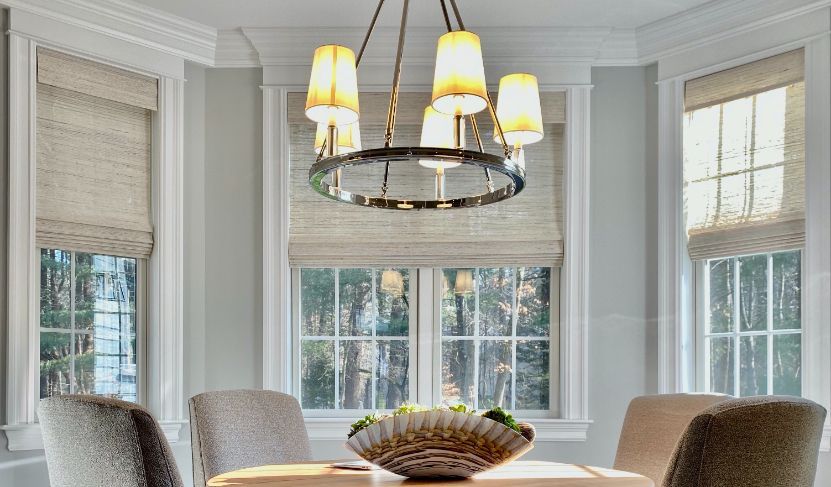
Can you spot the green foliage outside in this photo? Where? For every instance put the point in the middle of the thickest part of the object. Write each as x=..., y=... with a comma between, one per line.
x=495, y=414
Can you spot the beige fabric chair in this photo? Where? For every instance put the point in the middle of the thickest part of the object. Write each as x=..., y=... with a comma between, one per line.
x=95, y=441
x=245, y=428
x=770, y=441
x=652, y=427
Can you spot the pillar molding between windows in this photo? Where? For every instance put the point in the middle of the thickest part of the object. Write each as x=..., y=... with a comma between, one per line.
x=165, y=323
x=574, y=303
x=277, y=351
x=816, y=264
x=676, y=336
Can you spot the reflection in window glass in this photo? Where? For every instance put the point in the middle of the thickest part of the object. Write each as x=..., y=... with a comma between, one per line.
x=354, y=335
x=496, y=329
x=758, y=351
x=88, y=325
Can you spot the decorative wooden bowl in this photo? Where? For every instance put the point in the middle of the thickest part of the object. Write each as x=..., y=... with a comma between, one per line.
x=438, y=444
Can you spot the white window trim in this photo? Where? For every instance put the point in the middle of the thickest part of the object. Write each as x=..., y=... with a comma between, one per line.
x=277, y=352
x=164, y=346
x=676, y=331
x=412, y=339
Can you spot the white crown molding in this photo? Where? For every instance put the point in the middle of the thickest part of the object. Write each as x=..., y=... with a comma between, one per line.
x=293, y=46
x=131, y=22
x=537, y=48
x=234, y=50
x=714, y=21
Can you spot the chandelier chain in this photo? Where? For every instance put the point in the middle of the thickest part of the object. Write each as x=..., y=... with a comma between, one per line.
x=457, y=14
x=446, y=17
x=396, y=77
x=369, y=32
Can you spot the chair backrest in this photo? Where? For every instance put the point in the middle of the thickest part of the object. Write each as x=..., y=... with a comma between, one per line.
x=94, y=441
x=245, y=428
x=652, y=427
x=765, y=440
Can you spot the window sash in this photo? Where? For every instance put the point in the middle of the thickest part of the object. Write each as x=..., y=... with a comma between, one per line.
x=140, y=333
x=703, y=335
x=744, y=174
x=297, y=339
x=425, y=344
x=553, y=339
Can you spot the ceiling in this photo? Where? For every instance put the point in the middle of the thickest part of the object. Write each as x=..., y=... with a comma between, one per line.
x=225, y=14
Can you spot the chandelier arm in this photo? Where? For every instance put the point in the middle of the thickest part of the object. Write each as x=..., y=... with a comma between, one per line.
x=385, y=184
x=457, y=14
x=322, y=150
x=396, y=78
x=478, y=137
x=498, y=126
x=369, y=33
x=446, y=17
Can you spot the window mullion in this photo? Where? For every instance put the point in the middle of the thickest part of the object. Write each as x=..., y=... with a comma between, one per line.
x=737, y=354
x=72, y=294
x=373, y=300
x=337, y=338
x=706, y=326
x=514, y=308
x=427, y=345
x=476, y=286
x=769, y=315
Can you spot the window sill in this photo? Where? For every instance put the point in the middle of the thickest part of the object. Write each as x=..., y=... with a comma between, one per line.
x=547, y=429
x=27, y=436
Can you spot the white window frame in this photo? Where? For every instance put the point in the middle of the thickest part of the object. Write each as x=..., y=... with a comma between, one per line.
x=436, y=338
x=573, y=422
x=296, y=341
x=702, y=311
x=677, y=283
x=425, y=345
x=140, y=326
x=164, y=325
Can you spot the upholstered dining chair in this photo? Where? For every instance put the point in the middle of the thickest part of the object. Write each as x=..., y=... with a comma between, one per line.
x=652, y=427
x=95, y=441
x=764, y=440
x=245, y=428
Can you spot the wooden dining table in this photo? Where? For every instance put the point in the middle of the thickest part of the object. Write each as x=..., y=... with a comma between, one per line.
x=521, y=473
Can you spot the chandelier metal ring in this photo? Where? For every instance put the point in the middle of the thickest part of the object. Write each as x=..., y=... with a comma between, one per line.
x=500, y=164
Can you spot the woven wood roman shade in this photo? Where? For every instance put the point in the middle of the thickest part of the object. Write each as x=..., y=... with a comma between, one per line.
x=525, y=230
x=744, y=158
x=93, y=156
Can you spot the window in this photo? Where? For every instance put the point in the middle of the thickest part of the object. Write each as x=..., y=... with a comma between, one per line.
x=356, y=329
x=496, y=337
x=752, y=326
x=355, y=350
x=88, y=324
x=744, y=192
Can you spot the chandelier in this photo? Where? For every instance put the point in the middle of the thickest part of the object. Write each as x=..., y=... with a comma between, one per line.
x=459, y=93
